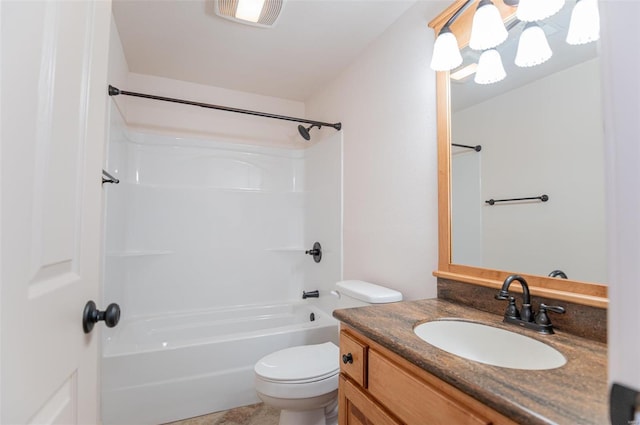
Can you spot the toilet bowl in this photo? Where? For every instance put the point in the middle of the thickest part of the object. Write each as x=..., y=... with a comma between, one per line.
x=302, y=381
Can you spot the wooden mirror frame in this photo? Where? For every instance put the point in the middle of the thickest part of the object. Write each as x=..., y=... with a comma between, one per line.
x=584, y=293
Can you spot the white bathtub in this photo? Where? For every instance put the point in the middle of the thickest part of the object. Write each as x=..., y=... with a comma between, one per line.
x=160, y=369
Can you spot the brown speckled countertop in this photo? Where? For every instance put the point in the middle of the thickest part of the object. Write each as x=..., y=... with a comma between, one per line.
x=575, y=393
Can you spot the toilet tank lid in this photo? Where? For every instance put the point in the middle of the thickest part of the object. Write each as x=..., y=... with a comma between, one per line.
x=368, y=292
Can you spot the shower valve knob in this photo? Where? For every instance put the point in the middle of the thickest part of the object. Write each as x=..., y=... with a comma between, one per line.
x=316, y=252
x=91, y=315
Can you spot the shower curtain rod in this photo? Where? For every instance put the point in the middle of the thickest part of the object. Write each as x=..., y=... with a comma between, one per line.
x=114, y=91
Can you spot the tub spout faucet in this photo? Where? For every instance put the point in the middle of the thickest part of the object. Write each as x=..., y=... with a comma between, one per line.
x=310, y=294
x=525, y=317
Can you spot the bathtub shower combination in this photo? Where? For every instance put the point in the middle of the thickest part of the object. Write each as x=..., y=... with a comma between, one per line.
x=204, y=253
x=163, y=368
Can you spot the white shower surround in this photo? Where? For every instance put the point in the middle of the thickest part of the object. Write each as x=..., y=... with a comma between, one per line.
x=200, y=226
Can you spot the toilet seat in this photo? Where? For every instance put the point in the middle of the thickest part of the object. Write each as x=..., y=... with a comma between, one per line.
x=299, y=365
x=284, y=390
x=302, y=382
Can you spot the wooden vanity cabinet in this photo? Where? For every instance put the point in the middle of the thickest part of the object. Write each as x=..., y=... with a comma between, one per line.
x=378, y=387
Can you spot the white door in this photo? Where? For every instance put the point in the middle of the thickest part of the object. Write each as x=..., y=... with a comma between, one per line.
x=53, y=97
x=620, y=40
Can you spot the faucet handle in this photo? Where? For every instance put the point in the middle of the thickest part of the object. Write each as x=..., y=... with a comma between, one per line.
x=512, y=310
x=555, y=308
x=542, y=318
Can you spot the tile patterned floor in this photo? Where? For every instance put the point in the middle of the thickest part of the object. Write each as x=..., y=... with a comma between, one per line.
x=255, y=414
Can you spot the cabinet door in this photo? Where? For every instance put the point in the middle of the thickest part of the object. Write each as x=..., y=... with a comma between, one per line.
x=356, y=408
x=414, y=400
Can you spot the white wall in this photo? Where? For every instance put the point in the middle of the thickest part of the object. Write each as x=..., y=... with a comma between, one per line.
x=323, y=217
x=558, y=154
x=386, y=103
x=466, y=206
x=118, y=71
x=184, y=120
x=620, y=40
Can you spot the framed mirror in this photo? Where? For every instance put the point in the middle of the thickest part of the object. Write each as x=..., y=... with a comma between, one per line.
x=541, y=137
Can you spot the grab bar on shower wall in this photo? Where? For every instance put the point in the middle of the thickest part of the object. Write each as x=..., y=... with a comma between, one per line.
x=109, y=179
x=543, y=198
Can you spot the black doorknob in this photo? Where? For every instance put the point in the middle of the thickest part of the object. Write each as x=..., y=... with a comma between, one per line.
x=347, y=358
x=91, y=315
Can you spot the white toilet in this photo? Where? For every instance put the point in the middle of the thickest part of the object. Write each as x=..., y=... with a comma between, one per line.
x=302, y=381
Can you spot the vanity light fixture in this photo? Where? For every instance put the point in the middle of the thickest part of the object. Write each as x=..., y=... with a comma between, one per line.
x=584, y=26
x=490, y=69
x=533, y=48
x=537, y=10
x=446, y=54
x=487, y=29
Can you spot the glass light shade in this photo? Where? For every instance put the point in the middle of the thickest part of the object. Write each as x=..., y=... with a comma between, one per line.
x=490, y=69
x=249, y=10
x=487, y=29
x=446, y=54
x=585, y=23
x=533, y=48
x=537, y=10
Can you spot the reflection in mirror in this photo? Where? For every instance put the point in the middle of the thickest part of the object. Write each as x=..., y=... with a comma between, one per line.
x=541, y=133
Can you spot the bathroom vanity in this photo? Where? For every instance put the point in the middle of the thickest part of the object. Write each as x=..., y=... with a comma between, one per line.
x=406, y=393
x=391, y=376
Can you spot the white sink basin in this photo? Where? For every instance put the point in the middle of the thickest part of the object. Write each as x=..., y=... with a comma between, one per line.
x=486, y=344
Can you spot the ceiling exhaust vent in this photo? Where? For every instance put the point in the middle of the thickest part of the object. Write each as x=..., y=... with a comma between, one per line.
x=258, y=13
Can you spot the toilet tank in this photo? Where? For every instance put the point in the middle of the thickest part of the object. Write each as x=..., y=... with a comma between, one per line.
x=357, y=293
